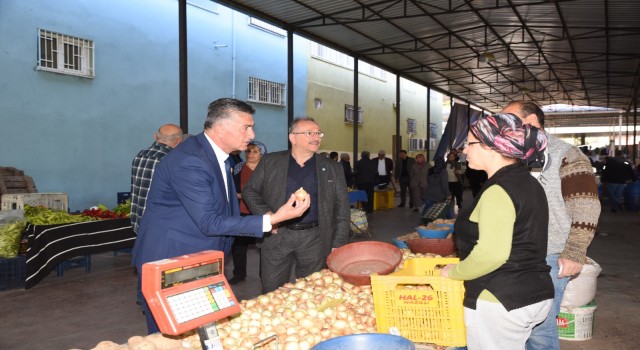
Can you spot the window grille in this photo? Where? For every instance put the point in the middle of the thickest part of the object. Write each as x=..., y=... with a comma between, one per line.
x=264, y=91
x=348, y=114
x=65, y=54
x=267, y=27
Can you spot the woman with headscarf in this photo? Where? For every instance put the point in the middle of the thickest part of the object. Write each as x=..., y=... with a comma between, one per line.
x=437, y=187
x=502, y=237
x=241, y=174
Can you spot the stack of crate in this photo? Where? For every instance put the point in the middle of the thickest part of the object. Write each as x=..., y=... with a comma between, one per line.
x=13, y=270
x=13, y=180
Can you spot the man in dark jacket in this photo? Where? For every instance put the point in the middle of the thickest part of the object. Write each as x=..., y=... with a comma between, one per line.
x=401, y=175
x=615, y=174
x=345, y=160
x=366, y=177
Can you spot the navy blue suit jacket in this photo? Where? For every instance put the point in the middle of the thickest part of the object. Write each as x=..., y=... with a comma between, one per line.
x=187, y=208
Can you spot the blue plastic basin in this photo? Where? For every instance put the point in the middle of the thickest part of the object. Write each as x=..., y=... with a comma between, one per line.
x=370, y=341
x=400, y=244
x=424, y=233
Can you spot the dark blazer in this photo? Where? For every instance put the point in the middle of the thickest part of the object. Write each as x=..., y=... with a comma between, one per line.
x=266, y=192
x=366, y=171
x=348, y=173
x=397, y=172
x=187, y=208
x=388, y=163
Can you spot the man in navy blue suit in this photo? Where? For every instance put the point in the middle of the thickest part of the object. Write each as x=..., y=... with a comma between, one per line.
x=192, y=204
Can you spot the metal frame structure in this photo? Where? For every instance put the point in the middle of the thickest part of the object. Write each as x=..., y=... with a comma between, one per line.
x=485, y=52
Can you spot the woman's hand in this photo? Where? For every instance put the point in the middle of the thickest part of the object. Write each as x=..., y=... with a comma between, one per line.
x=445, y=270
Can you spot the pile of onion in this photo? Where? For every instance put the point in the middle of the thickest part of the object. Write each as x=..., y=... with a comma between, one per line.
x=316, y=308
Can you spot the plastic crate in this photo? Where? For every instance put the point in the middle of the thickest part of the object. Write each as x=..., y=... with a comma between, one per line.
x=383, y=199
x=17, y=201
x=13, y=272
x=419, y=304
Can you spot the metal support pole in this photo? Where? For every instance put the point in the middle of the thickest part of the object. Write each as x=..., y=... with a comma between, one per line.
x=182, y=48
x=290, y=80
x=356, y=113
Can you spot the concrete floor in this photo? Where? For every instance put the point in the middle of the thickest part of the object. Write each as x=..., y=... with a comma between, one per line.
x=80, y=309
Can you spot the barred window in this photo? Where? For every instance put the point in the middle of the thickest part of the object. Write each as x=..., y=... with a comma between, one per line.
x=65, y=54
x=264, y=91
x=348, y=114
x=331, y=55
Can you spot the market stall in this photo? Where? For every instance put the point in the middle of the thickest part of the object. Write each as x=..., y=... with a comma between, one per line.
x=49, y=245
x=324, y=306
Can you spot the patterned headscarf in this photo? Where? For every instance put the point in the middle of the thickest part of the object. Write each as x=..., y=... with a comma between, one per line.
x=507, y=135
x=261, y=147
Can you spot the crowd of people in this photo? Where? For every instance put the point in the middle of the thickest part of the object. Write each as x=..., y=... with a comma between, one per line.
x=533, y=214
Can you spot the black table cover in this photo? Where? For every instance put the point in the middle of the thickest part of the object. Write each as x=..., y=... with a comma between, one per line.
x=49, y=245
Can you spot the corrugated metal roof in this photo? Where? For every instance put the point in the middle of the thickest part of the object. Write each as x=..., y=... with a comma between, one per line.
x=486, y=52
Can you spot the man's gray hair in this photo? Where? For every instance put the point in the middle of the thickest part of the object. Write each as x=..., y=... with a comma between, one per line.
x=295, y=122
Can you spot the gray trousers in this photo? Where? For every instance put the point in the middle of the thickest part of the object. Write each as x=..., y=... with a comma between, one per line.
x=286, y=249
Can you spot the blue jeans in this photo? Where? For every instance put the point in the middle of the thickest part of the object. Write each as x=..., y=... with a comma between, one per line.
x=615, y=195
x=545, y=335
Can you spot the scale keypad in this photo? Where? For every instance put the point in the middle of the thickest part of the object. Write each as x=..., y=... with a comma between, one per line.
x=200, y=302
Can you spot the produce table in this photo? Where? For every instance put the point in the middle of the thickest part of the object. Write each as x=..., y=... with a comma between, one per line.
x=49, y=245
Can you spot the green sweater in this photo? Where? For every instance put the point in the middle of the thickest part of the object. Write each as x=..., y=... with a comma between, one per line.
x=495, y=215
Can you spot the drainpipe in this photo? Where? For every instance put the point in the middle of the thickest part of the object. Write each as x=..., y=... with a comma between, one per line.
x=233, y=54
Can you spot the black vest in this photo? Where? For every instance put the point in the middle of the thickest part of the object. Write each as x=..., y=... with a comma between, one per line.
x=524, y=279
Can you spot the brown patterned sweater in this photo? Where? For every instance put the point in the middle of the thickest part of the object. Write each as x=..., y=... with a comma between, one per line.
x=572, y=194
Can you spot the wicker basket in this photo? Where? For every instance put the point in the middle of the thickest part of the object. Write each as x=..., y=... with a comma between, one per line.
x=443, y=246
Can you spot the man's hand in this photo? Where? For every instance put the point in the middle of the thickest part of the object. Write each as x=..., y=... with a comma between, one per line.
x=288, y=211
x=568, y=268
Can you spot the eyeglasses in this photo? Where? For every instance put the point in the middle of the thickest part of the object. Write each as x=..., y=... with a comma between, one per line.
x=319, y=134
x=467, y=144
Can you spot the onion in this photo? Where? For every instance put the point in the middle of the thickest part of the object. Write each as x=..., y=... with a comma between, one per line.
x=291, y=345
x=301, y=283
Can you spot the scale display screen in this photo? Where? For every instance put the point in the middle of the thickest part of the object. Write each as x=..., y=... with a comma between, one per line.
x=187, y=274
x=189, y=291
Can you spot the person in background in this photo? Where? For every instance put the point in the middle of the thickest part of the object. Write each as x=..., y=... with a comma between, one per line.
x=574, y=209
x=366, y=178
x=402, y=174
x=462, y=159
x=241, y=174
x=192, y=205
x=453, y=174
x=385, y=168
x=345, y=160
x=418, y=183
x=616, y=173
x=324, y=154
x=166, y=139
x=234, y=158
x=502, y=237
x=306, y=242
x=437, y=188
x=334, y=156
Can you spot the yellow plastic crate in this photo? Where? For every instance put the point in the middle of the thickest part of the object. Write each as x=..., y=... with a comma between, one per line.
x=421, y=305
x=383, y=199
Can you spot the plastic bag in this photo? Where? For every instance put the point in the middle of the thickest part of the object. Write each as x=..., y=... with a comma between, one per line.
x=581, y=288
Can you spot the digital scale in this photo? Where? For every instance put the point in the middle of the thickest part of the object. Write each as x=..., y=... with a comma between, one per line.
x=189, y=292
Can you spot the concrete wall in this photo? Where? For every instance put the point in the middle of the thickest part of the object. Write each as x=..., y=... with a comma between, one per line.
x=333, y=84
x=79, y=135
